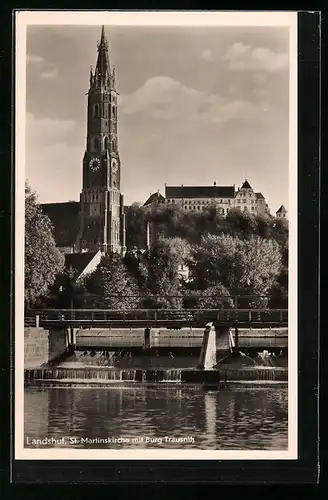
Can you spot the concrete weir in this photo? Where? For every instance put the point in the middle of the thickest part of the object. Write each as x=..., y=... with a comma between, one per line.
x=102, y=375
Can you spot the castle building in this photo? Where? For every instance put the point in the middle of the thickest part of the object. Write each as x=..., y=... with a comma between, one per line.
x=281, y=213
x=223, y=198
x=97, y=222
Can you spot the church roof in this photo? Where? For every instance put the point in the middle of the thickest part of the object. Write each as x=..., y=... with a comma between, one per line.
x=199, y=192
x=281, y=210
x=246, y=185
x=65, y=221
x=155, y=197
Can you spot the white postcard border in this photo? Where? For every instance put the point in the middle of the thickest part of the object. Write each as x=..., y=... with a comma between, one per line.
x=25, y=18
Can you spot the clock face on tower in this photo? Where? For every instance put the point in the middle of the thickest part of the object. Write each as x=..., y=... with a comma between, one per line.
x=94, y=164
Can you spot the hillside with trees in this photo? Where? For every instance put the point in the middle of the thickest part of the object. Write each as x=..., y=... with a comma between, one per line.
x=240, y=260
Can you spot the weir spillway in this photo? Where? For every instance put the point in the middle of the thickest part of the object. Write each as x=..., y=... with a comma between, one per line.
x=100, y=375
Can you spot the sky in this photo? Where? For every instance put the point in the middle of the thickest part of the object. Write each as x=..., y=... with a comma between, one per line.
x=196, y=105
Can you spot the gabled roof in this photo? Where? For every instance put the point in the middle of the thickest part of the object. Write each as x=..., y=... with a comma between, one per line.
x=246, y=185
x=199, y=192
x=78, y=261
x=281, y=210
x=65, y=220
x=259, y=196
x=154, y=198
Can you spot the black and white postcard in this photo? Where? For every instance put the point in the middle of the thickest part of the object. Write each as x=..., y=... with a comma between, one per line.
x=155, y=235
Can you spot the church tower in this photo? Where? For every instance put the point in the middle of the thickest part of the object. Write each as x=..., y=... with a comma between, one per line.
x=102, y=224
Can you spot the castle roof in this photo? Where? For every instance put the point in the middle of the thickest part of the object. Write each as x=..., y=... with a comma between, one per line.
x=246, y=185
x=65, y=220
x=199, y=191
x=259, y=196
x=155, y=197
x=281, y=210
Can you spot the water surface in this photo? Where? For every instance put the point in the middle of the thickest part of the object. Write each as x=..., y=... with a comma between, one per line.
x=146, y=415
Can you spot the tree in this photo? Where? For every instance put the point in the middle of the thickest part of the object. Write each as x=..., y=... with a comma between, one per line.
x=136, y=264
x=113, y=285
x=135, y=226
x=214, y=297
x=245, y=267
x=43, y=260
x=163, y=281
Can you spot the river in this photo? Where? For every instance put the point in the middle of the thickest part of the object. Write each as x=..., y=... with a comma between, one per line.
x=156, y=416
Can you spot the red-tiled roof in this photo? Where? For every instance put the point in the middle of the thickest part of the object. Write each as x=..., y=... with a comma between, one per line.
x=65, y=220
x=199, y=192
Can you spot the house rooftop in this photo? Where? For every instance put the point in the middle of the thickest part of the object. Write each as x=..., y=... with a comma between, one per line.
x=79, y=261
x=281, y=210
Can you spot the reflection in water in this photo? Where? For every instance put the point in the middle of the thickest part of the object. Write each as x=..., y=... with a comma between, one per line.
x=247, y=419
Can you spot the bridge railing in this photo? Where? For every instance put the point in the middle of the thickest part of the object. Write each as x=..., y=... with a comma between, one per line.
x=160, y=315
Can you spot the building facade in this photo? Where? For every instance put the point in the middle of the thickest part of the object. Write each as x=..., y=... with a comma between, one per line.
x=223, y=198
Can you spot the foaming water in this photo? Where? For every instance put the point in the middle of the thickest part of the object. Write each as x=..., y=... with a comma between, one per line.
x=248, y=419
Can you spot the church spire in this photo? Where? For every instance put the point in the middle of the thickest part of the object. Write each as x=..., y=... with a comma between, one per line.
x=103, y=75
x=103, y=42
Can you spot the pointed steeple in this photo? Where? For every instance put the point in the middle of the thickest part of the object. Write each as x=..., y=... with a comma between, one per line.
x=103, y=75
x=103, y=41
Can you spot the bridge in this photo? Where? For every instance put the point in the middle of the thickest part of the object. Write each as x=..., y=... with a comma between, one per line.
x=167, y=318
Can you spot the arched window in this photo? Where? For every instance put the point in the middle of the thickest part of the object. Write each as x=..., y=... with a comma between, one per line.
x=113, y=111
x=96, y=111
x=106, y=143
x=96, y=143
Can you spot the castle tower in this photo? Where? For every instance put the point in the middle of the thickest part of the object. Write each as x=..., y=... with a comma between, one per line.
x=281, y=213
x=102, y=209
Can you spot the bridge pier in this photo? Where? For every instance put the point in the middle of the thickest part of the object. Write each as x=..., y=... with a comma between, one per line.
x=71, y=337
x=217, y=344
x=146, y=338
x=224, y=343
x=236, y=339
x=207, y=358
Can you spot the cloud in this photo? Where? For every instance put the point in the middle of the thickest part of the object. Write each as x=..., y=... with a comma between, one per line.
x=207, y=55
x=50, y=73
x=34, y=59
x=42, y=130
x=260, y=78
x=245, y=57
x=51, y=156
x=166, y=99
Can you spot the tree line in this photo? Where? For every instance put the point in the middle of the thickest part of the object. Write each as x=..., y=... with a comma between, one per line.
x=240, y=255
